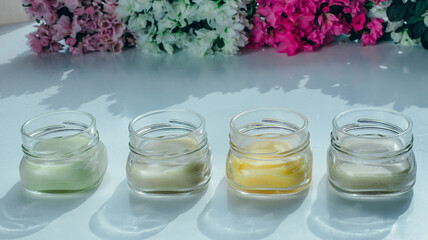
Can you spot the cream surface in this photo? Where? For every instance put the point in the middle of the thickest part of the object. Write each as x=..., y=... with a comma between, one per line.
x=82, y=171
x=164, y=172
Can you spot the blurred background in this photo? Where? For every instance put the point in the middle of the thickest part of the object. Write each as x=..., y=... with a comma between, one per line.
x=11, y=11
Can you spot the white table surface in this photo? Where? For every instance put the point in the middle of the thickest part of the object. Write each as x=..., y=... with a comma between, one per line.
x=117, y=88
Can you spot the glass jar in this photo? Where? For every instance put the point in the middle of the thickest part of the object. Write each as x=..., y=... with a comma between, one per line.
x=371, y=153
x=169, y=152
x=269, y=152
x=62, y=153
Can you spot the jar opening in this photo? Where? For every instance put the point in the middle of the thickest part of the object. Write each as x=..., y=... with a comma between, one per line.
x=372, y=133
x=167, y=134
x=269, y=134
x=166, y=124
x=269, y=123
x=58, y=124
x=372, y=123
x=59, y=135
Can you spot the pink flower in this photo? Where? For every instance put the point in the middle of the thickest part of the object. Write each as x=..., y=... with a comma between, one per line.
x=117, y=47
x=306, y=22
x=62, y=28
x=358, y=22
x=34, y=42
x=90, y=10
x=375, y=28
x=288, y=43
x=258, y=32
x=70, y=41
x=306, y=25
x=72, y=4
x=118, y=29
x=75, y=27
x=93, y=26
x=41, y=41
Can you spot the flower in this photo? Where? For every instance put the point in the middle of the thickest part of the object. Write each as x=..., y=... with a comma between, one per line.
x=41, y=40
x=404, y=39
x=358, y=22
x=85, y=25
x=202, y=27
x=425, y=15
x=375, y=32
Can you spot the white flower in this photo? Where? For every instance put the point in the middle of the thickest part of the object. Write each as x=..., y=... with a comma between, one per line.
x=379, y=10
x=405, y=1
x=392, y=26
x=125, y=8
x=144, y=4
x=425, y=15
x=396, y=36
x=404, y=39
x=200, y=26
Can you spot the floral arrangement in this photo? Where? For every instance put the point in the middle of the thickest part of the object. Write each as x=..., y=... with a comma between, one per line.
x=206, y=27
x=203, y=27
x=83, y=25
x=407, y=21
x=306, y=25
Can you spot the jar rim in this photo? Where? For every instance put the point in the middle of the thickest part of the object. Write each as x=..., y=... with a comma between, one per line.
x=139, y=117
x=405, y=131
x=301, y=128
x=87, y=128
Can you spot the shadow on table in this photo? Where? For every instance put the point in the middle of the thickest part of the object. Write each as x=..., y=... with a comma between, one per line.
x=374, y=75
x=23, y=213
x=6, y=28
x=231, y=216
x=369, y=75
x=336, y=218
x=128, y=215
x=130, y=78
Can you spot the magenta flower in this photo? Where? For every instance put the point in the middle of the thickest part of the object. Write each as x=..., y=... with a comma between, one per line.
x=306, y=25
x=288, y=43
x=358, y=22
x=375, y=32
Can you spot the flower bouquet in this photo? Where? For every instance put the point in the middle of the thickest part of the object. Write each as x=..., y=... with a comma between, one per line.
x=83, y=25
x=202, y=27
x=306, y=25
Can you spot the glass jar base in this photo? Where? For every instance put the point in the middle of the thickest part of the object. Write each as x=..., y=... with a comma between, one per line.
x=268, y=193
x=155, y=192
x=367, y=194
x=62, y=192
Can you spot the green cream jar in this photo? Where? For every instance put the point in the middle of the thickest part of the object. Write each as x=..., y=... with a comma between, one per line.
x=62, y=153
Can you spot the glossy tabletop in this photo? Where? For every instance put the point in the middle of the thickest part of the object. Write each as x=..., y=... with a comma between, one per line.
x=115, y=88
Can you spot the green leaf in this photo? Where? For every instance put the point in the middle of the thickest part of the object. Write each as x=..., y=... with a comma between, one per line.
x=396, y=11
x=424, y=39
x=219, y=42
x=411, y=8
x=413, y=19
x=421, y=7
x=416, y=30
